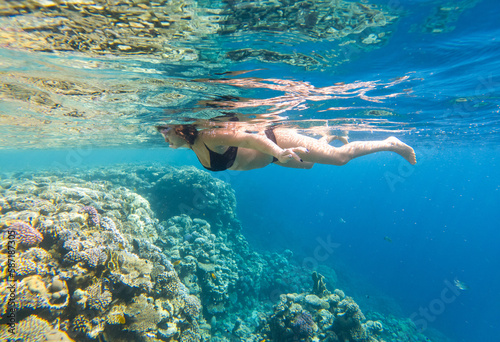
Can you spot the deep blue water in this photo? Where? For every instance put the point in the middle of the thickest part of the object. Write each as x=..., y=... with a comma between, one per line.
x=442, y=220
x=400, y=234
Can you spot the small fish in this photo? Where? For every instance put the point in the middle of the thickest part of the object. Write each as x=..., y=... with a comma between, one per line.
x=213, y=275
x=32, y=220
x=121, y=319
x=460, y=285
x=176, y=262
x=341, y=220
x=121, y=246
x=388, y=239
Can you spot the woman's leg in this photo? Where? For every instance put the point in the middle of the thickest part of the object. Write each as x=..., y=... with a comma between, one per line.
x=320, y=152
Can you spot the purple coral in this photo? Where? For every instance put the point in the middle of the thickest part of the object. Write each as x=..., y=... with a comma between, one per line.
x=109, y=225
x=24, y=233
x=303, y=326
x=93, y=218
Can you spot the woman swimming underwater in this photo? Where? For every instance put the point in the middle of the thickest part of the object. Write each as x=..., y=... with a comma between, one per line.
x=236, y=148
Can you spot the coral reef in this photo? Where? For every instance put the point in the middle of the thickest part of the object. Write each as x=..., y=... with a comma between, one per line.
x=177, y=191
x=331, y=317
x=108, y=269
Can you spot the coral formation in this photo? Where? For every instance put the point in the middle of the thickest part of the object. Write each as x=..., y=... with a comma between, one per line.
x=190, y=277
x=93, y=216
x=33, y=293
x=331, y=317
x=23, y=233
x=33, y=329
x=319, y=286
x=303, y=325
x=94, y=297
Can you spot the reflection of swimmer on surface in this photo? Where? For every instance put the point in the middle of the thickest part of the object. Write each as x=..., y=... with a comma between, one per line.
x=237, y=147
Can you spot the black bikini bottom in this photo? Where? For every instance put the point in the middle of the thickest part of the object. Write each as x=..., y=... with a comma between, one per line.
x=270, y=135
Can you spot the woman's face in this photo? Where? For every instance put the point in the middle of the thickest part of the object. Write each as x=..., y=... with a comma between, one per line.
x=173, y=140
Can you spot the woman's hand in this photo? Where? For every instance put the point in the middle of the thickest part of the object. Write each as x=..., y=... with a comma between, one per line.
x=291, y=153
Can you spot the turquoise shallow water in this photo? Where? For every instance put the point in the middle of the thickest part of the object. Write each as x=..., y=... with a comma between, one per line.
x=426, y=72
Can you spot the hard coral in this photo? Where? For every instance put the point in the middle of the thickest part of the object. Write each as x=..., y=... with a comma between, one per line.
x=191, y=334
x=109, y=225
x=81, y=324
x=24, y=233
x=33, y=328
x=142, y=314
x=94, y=297
x=99, y=298
x=192, y=306
x=168, y=283
x=93, y=215
x=33, y=294
x=92, y=257
x=303, y=325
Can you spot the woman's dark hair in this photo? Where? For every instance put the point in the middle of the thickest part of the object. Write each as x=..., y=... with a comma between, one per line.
x=187, y=132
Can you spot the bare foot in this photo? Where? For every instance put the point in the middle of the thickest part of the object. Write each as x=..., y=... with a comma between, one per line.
x=402, y=149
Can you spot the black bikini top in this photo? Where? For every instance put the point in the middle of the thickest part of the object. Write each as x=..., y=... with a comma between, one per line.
x=221, y=162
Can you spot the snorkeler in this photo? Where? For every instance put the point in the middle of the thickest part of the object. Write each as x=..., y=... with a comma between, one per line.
x=235, y=148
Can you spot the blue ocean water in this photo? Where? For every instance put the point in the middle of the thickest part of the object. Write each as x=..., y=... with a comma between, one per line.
x=398, y=236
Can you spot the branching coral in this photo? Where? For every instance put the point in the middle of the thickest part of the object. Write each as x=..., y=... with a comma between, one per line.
x=94, y=297
x=93, y=216
x=23, y=233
